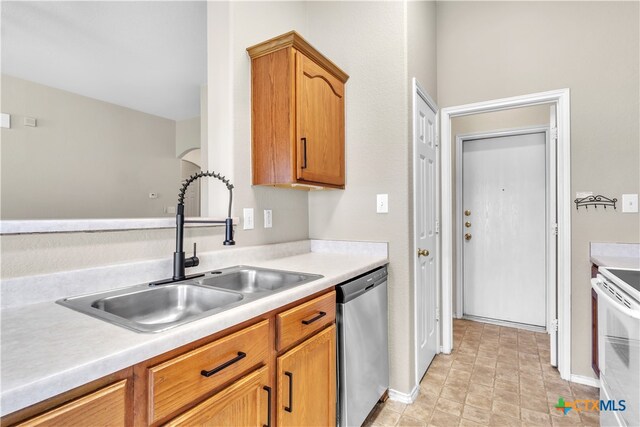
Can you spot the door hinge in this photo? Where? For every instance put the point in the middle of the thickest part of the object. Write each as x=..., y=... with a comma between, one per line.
x=554, y=325
x=555, y=229
x=437, y=227
x=554, y=133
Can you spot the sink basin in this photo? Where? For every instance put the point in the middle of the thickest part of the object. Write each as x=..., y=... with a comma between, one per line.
x=251, y=280
x=156, y=308
x=167, y=304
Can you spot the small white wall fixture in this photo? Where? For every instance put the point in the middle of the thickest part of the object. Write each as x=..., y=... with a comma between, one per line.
x=561, y=100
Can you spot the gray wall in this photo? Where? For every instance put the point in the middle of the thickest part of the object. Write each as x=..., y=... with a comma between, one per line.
x=85, y=159
x=369, y=41
x=489, y=50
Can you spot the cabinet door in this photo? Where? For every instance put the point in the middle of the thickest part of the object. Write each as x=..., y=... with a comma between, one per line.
x=320, y=124
x=105, y=407
x=244, y=403
x=307, y=382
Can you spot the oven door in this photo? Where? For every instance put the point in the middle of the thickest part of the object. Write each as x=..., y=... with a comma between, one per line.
x=619, y=352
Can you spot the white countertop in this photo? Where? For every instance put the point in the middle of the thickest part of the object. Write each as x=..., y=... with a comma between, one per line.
x=48, y=349
x=620, y=255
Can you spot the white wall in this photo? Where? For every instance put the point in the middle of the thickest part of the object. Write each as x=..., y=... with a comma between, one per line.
x=85, y=159
x=489, y=50
x=187, y=136
x=368, y=40
x=234, y=27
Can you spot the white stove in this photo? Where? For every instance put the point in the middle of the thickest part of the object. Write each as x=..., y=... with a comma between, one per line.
x=619, y=343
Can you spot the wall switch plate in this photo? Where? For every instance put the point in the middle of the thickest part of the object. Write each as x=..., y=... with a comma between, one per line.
x=382, y=203
x=583, y=194
x=247, y=223
x=630, y=203
x=268, y=218
x=30, y=121
x=6, y=121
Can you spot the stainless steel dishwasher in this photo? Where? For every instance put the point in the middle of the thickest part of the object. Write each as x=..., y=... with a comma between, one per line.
x=363, y=357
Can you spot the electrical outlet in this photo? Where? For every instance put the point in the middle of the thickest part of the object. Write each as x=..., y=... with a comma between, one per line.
x=382, y=203
x=630, y=203
x=170, y=210
x=268, y=218
x=247, y=223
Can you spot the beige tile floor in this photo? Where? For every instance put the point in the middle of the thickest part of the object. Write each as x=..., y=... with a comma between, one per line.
x=496, y=376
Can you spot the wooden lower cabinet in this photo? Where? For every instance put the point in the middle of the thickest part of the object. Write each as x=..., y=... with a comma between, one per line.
x=278, y=369
x=306, y=379
x=104, y=407
x=245, y=403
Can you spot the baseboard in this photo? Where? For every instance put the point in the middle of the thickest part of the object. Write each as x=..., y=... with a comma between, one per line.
x=404, y=397
x=581, y=379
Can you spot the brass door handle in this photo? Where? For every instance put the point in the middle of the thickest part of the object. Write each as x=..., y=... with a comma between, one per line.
x=467, y=236
x=423, y=252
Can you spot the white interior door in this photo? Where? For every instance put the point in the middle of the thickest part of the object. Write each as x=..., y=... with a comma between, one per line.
x=425, y=217
x=504, y=238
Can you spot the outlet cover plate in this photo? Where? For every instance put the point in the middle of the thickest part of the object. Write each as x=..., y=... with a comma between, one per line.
x=630, y=203
x=247, y=223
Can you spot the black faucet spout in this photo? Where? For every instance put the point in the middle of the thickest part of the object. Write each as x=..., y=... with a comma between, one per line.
x=180, y=263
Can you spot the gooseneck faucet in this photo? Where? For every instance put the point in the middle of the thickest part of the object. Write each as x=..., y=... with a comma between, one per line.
x=180, y=262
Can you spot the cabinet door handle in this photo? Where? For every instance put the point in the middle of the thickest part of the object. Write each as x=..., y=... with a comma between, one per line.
x=268, y=390
x=318, y=317
x=239, y=357
x=304, y=153
x=290, y=407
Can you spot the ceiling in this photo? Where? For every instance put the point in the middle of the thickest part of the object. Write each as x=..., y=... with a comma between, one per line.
x=150, y=56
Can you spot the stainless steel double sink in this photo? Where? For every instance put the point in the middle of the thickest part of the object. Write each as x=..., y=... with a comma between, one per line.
x=156, y=308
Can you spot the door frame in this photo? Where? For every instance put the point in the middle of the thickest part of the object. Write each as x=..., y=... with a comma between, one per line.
x=561, y=99
x=417, y=91
x=550, y=202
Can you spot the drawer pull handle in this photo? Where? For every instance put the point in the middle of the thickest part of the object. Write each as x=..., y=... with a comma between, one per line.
x=268, y=390
x=239, y=357
x=290, y=407
x=318, y=317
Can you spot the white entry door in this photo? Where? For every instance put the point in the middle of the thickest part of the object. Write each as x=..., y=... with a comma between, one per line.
x=504, y=230
x=425, y=217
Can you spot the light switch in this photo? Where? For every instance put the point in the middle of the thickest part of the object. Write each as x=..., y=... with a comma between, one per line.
x=247, y=224
x=630, y=203
x=382, y=203
x=268, y=218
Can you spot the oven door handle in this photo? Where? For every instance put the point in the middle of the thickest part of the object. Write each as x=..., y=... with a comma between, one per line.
x=595, y=284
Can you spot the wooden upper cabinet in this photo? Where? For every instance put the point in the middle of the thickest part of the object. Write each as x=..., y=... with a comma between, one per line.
x=297, y=115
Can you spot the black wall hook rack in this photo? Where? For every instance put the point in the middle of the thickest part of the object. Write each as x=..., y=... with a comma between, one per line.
x=595, y=201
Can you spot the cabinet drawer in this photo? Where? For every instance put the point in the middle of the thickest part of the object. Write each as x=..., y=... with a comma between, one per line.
x=105, y=407
x=299, y=322
x=244, y=403
x=182, y=380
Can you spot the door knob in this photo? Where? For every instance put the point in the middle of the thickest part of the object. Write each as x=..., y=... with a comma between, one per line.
x=467, y=212
x=467, y=236
x=423, y=252
x=467, y=224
